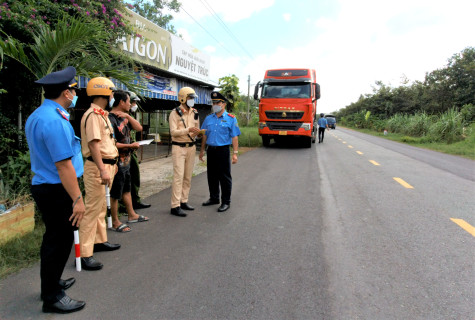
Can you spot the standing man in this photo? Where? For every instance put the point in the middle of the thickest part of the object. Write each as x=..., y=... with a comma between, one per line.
x=98, y=147
x=134, y=165
x=56, y=161
x=322, y=125
x=123, y=122
x=221, y=131
x=184, y=127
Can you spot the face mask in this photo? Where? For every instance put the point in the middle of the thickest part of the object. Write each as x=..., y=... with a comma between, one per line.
x=73, y=102
x=190, y=103
x=216, y=108
x=133, y=108
x=111, y=102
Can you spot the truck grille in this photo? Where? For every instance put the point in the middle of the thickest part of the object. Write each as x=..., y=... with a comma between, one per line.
x=284, y=115
x=284, y=126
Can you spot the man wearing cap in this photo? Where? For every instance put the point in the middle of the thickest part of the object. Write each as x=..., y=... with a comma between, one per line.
x=56, y=162
x=184, y=127
x=322, y=125
x=98, y=147
x=221, y=131
x=134, y=165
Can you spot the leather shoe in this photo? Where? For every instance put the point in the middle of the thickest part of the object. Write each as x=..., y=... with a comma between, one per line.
x=210, y=202
x=66, y=284
x=178, y=212
x=65, y=305
x=89, y=263
x=223, y=207
x=105, y=246
x=141, y=205
x=186, y=206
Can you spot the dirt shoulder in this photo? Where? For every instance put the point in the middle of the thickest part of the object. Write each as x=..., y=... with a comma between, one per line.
x=156, y=175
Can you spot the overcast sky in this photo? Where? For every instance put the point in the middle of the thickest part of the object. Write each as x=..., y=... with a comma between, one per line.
x=351, y=44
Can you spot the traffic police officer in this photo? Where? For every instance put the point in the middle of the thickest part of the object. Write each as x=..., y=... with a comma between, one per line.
x=98, y=147
x=56, y=162
x=221, y=131
x=184, y=127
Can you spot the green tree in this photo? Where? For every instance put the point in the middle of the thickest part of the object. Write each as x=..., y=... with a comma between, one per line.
x=229, y=89
x=154, y=11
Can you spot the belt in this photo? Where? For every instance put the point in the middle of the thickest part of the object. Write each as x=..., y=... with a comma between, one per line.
x=216, y=147
x=183, y=144
x=106, y=161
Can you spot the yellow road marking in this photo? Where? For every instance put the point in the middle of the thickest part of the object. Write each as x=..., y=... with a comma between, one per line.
x=339, y=139
x=359, y=152
x=344, y=141
x=403, y=183
x=351, y=147
x=464, y=225
x=374, y=162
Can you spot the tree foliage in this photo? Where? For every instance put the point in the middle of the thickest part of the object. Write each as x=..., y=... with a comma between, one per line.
x=154, y=11
x=230, y=89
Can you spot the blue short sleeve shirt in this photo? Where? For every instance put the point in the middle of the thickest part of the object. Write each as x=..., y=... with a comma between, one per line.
x=220, y=131
x=51, y=139
x=322, y=122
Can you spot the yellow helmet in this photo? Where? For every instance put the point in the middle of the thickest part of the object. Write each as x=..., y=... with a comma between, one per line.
x=100, y=86
x=184, y=93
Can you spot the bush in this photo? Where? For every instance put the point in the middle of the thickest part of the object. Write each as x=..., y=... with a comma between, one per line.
x=15, y=177
x=468, y=114
x=448, y=128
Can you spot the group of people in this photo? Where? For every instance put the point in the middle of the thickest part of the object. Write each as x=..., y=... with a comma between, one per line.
x=104, y=156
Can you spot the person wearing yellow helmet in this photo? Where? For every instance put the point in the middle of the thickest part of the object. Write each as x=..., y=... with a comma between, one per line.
x=184, y=127
x=100, y=151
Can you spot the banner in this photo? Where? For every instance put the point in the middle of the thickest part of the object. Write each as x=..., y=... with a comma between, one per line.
x=157, y=47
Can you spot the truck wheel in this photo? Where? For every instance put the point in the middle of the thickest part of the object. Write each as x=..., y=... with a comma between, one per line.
x=314, y=136
x=265, y=141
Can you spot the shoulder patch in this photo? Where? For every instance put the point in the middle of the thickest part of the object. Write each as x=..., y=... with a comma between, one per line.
x=231, y=115
x=63, y=114
x=99, y=111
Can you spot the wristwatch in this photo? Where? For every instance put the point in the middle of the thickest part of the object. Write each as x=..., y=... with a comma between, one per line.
x=236, y=152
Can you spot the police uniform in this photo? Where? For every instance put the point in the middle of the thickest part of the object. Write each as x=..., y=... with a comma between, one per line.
x=183, y=153
x=51, y=139
x=219, y=134
x=95, y=125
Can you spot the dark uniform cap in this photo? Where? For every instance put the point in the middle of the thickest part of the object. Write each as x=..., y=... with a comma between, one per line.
x=59, y=78
x=215, y=95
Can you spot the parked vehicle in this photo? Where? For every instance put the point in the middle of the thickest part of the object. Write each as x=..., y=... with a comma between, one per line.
x=331, y=120
x=288, y=105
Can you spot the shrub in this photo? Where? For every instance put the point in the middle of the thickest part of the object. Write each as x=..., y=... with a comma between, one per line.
x=448, y=128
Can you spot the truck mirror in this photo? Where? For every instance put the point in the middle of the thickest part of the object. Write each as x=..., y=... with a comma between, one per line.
x=256, y=90
x=317, y=91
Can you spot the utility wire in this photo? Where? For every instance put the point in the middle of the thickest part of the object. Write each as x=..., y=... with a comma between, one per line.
x=226, y=28
x=181, y=7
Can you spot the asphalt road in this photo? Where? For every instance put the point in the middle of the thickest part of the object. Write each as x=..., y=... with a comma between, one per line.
x=320, y=233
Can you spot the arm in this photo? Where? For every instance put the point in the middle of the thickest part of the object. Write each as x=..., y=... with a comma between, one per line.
x=235, y=143
x=67, y=174
x=134, y=123
x=203, y=146
x=174, y=131
x=96, y=156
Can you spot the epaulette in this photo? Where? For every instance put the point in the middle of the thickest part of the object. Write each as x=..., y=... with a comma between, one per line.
x=63, y=114
x=231, y=115
x=99, y=111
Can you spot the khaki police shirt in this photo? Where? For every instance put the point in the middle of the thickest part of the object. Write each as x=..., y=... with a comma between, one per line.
x=177, y=128
x=98, y=127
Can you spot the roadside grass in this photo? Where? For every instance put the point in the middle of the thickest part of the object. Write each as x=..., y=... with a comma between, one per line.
x=464, y=148
x=249, y=137
x=21, y=252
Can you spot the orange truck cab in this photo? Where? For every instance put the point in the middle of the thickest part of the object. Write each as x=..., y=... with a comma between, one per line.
x=288, y=105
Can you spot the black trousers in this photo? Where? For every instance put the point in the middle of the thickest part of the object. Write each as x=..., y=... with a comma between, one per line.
x=55, y=206
x=321, y=131
x=135, y=178
x=219, y=173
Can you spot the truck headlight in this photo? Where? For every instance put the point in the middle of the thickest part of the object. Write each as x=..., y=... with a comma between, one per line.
x=262, y=125
x=306, y=126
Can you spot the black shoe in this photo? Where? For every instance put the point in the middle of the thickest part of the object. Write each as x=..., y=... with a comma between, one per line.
x=223, y=207
x=141, y=205
x=177, y=212
x=89, y=263
x=66, y=284
x=65, y=305
x=210, y=202
x=105, y=246
x=186, y=206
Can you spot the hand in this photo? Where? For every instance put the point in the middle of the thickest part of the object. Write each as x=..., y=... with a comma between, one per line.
x=78, y=213
x=105, y=177
x=193, y=131
x=234, y=160
x=135, y=145
x=202, y=153
x=121, y=114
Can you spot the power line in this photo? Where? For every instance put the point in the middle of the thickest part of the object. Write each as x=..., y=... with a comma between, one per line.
x=181, y=7
x=226, y=28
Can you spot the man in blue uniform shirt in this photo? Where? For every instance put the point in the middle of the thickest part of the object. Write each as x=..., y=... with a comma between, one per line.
x=57, y=163
x=322, y=125
x=221, y=130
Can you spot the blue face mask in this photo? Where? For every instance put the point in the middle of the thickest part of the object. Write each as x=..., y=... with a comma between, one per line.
x=73, y=102
x=111, y=102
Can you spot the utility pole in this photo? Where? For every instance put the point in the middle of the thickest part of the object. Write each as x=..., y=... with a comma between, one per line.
x=248, y=99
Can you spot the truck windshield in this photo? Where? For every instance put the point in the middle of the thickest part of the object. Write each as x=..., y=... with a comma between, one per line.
x=286, y=90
